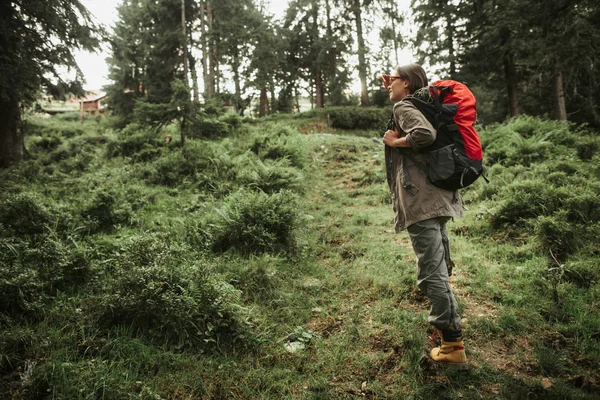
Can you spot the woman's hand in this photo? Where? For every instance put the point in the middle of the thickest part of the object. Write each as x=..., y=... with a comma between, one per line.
x=393, y=139
x=390, y=138
x=386, y=79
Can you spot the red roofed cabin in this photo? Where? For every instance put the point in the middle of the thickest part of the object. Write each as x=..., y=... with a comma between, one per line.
x=92, y=102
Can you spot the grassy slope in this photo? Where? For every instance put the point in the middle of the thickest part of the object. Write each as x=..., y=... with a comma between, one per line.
x=373, y=327
x=351, y=290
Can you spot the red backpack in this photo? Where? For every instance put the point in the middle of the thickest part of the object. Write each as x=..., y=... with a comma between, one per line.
x=454, y=160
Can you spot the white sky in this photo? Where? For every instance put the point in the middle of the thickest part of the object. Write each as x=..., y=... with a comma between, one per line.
x=95, y=69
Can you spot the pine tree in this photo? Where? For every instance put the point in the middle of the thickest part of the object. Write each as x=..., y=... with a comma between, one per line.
x=36, y=38
x=147, y=60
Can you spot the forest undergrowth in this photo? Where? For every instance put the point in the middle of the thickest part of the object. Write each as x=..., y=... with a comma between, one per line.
x=261, y=263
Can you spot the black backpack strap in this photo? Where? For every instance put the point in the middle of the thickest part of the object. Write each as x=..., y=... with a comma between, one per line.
x=391, y=125
x=438, y=99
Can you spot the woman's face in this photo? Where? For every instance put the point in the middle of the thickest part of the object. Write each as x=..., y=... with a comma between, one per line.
x=398, y=89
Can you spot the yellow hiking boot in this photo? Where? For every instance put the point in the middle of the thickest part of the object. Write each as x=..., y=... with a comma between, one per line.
x=451, y=354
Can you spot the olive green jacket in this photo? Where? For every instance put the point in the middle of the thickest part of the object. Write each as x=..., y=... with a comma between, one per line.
x=426, y=201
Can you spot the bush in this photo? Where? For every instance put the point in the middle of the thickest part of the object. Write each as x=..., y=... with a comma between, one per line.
x=136, y=144
x=556, y=235
x=587, y=148
x=25, y=214
x=278, y=141
x=255, y=222
x=45, y=143
x=34, y=271
x=37, y=254
x=271, y=176
x=583, y=206
x=214, y=127
x=51, y=127
x=105, y=211
x=233, y=120
x=527, y=199
x=158, y=290
x=210, y=128
x=359, y=118
x=71, y=116
x=208, y=165
x=214, y=108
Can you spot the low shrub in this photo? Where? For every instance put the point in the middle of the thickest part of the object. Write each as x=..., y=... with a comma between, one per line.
x=214, y=126
x=210, y=166
x=233, y=120
x=359, y=117
x=210, y=128
x=169, y=170
x=587, y=148
x=34, y=271
x=583, y=206
x=136, y=144
x=70, y=116
x=38, y=256
x=556, y=235
x=26, y=214
x=53, y=127
x=214, y=108
x=45, y=143
x=106, y=210
x=278, y=141
x=271, y=176
x=255, y=222
x=158, y=290
x=525, y=200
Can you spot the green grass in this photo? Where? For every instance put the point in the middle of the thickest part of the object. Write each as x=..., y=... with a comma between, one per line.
x=344, y=283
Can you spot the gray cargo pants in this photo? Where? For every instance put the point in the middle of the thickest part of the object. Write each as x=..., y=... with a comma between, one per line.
x=430, y=243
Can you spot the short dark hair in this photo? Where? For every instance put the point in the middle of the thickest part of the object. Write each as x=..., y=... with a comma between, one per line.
x=415, y=74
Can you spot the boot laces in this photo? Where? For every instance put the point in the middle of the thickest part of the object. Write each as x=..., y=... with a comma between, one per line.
x=432, y=337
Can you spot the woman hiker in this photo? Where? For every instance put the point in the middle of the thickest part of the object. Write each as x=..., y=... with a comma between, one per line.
x=423, y=209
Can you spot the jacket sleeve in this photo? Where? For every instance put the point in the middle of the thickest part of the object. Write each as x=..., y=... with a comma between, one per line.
x=413, y=124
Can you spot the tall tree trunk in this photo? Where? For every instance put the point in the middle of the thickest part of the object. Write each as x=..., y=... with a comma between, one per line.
x=11, y=136
x=194, y=76
x=236, y=80
x=510, y=75
x=319, y=95
x=395, y=36
x=362, y=65
x=331, y=67
x=212, y=56
x=263, y=107
x=272, y=90
x=297, y=98
x=204, y=48
x=184, y=44
x=317, y=70
x=560, y=107
x=185, y=68
x=450, y=41
x=217, y=73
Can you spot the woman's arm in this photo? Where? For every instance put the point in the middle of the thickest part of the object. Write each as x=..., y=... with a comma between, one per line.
x=418, y=131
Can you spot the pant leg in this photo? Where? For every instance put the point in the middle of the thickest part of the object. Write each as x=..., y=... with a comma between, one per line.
x=432, y=272
x=446, y=242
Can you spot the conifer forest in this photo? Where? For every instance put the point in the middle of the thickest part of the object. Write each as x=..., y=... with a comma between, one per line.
x=218, y=223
